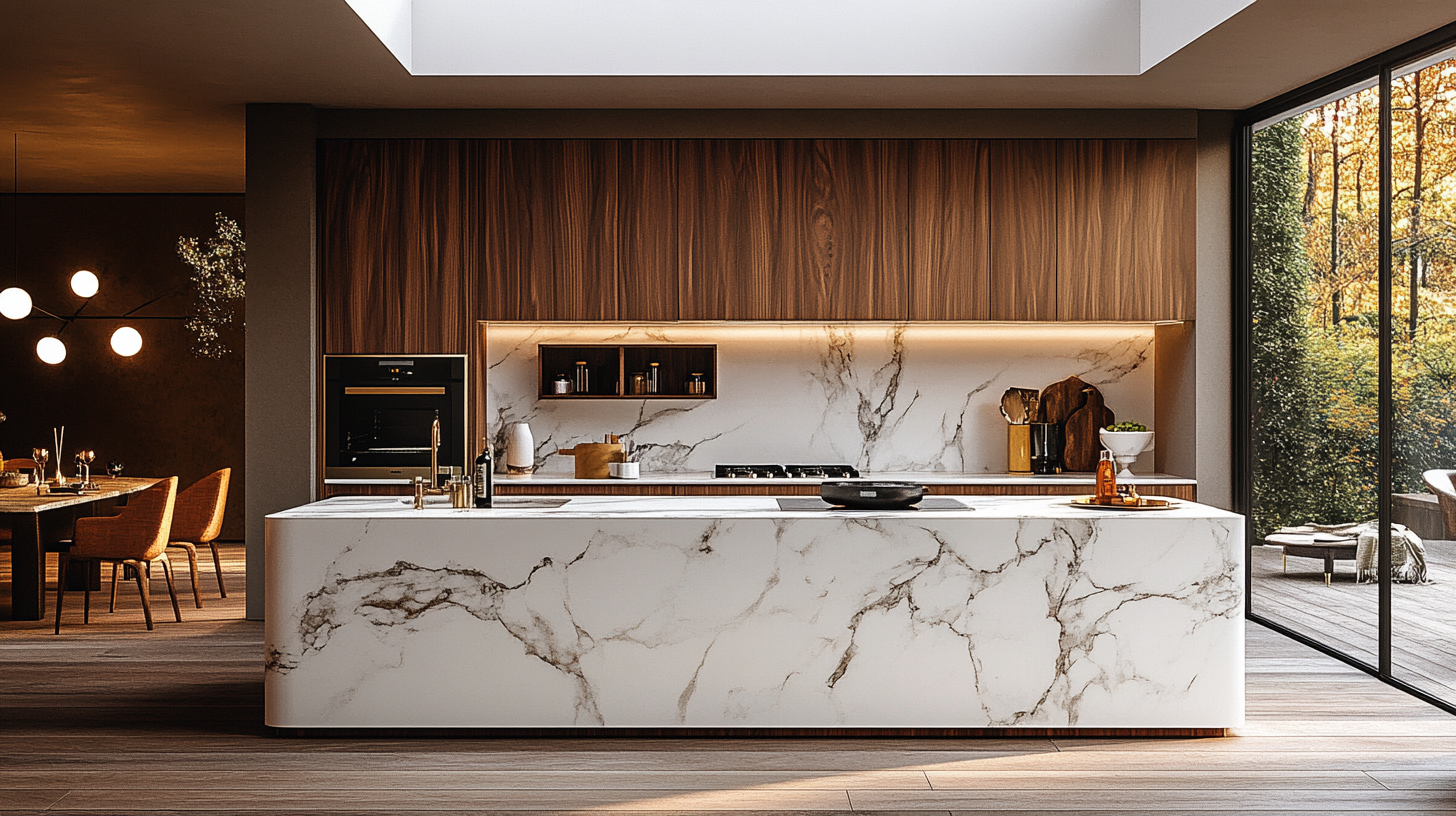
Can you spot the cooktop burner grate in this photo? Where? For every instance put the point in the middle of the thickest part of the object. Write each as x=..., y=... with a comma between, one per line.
x=785, y=472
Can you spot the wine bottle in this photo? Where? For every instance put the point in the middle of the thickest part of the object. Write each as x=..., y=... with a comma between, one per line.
x=484, y=476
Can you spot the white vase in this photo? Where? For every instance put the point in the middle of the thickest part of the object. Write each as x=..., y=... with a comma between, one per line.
x=520, y=448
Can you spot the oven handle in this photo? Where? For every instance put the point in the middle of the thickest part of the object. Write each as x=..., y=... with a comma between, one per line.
x=401, y=390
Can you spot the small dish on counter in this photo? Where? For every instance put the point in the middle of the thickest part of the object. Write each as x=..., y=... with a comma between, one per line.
x=14, y=478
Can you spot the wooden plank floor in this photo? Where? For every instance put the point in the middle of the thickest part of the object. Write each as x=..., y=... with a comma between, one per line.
x=113, y=719
x=1344, y=614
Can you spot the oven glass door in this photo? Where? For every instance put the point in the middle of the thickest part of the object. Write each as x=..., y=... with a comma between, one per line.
x=389, y=427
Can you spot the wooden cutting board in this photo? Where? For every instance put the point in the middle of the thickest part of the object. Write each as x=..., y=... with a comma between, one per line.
x=1059, y=400
x=1083, y=444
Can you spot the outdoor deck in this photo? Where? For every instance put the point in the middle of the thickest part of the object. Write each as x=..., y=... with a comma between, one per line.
x=1343, y=615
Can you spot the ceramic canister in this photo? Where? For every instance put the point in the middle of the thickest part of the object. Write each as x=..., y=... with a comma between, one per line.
x=520, y=446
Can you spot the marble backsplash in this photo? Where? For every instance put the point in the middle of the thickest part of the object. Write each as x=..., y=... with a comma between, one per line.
x=879, y=396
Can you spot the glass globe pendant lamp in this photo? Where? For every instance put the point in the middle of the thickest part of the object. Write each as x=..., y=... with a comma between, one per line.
x=84, y=283
x=51, y=350
x=126, y=341
x=15, y=303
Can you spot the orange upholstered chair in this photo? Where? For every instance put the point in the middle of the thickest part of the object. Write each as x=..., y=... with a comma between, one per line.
x=198, y=521
x=22, y=464
x=135, y=538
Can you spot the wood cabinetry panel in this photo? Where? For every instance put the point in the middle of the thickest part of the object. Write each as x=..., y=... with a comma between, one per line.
x=549, y=246
x=728, y=231
x=397, y=249
x=647, y=252
x=949, y=229
x=1126, y=229
x=844, y=242
x=793, y=229
x=1023, y=214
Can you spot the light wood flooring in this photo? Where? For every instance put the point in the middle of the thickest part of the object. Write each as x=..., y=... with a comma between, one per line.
x=113, y=719
x=1344, y=614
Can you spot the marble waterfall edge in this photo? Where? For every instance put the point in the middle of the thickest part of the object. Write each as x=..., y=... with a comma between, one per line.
x=881, y=397
x=1025, y=619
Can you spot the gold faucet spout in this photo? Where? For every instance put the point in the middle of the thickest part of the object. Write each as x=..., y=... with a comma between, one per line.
x=435, y=453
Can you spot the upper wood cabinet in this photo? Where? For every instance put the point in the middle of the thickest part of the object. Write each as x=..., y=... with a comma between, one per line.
x=549, y=229
x=421, y=238
x=792, y=229
x=843, y=231
x=648, y=264
x=1126, y=229
x=1023, y=214
x=398, y=251
x=729, y=210
x=948, y=221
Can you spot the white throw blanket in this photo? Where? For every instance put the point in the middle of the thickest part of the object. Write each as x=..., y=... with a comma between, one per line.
x=1407, y=551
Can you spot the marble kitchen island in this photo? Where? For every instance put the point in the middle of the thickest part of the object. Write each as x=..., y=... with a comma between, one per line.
x=729, y=612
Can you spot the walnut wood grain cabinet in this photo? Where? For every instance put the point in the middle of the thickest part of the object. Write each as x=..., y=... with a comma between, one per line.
x=948, y=220
x=549, y=229
x=1125, y=229
x=793, y=229
x=398, y=259
x=1023, y=228
x=647, y=261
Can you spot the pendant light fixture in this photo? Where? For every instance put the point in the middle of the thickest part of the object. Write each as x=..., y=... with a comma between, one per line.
x=15, y=302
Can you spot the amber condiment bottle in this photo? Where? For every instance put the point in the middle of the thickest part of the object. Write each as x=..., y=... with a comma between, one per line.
x=1106, y=478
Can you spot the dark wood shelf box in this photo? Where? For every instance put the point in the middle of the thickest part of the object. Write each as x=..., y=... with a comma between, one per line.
x=612, y=367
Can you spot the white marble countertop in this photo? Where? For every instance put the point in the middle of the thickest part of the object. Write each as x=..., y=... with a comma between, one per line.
x=922, y=477
x=697, y=507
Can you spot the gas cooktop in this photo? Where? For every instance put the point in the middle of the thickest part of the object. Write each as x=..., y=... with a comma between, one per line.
x=785, y=472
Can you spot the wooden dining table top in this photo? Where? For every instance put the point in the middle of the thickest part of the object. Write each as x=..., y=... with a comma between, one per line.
x=25, y=500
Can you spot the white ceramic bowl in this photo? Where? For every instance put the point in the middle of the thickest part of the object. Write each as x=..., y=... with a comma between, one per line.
x=1125, y=446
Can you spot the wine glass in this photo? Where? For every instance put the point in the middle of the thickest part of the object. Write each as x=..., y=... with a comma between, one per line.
x=84, y=458
x=115, y=467
x=41, y=456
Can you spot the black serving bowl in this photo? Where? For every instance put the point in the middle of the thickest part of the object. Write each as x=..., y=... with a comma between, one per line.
x=871, y=495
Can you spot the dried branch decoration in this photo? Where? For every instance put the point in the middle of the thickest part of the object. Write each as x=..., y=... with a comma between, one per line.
x=217, y=276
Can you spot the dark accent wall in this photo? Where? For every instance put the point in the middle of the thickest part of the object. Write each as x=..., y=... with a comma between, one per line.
x=283, y=351
x=164, y=411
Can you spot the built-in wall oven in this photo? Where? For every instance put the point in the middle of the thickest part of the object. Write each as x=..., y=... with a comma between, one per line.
x=379, y=415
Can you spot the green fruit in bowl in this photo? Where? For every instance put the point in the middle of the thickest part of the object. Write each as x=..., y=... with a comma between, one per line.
x=1128, y=427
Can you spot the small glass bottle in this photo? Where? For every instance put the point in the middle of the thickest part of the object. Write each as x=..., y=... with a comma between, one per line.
x=581, y=383
x=654, y=378
x=1106, y=478
x=484, y=480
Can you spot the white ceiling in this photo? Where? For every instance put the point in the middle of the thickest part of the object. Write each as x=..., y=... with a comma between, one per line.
x=788, y=37
x=148, y=95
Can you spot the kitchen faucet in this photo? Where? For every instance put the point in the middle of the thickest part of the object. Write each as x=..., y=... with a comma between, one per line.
x=423, y=488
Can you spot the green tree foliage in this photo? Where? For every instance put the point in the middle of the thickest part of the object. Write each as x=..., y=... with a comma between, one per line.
x=1285, y=412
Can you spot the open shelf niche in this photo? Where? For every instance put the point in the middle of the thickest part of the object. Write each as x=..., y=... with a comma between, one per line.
x=611, y=369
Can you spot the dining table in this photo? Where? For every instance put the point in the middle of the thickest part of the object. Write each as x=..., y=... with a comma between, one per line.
x=36, y=518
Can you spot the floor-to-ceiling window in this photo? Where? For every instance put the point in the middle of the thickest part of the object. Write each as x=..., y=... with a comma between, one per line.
x=1349, y=394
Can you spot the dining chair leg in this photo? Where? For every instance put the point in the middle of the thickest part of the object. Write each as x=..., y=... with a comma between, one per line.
x=172, y=586
x=86, y=593
x=192, y=565
x=61, y=589
x=114, y=568
x=143, y=587
x=217, y=568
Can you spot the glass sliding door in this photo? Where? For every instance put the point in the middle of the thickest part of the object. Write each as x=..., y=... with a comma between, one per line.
x=1347, y=243
x=1423, y=368
x=1314, y=370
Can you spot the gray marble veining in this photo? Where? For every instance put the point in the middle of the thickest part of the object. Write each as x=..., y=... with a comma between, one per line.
x=897, y=397
x=1010, y=613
